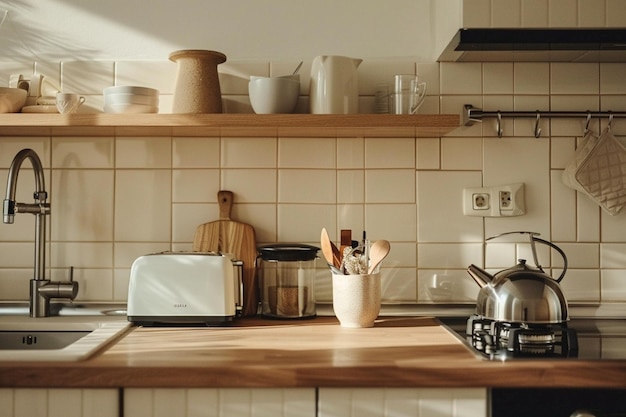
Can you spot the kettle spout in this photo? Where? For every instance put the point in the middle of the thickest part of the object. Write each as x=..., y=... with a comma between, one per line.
x=482, y=278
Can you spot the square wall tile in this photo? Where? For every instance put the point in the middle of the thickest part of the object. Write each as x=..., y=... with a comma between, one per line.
x=398, y=285
x=461, y=153
x=615, y=13
x=350, y=153
x=477, y=13
x=83, y=205
x=563, y=13
x=82, y=152
x=461, y=78
x=578, y=78
x=613, y=287
x=307, y=186
x=195, y=152
x=303, y=222
x=251, y=185
x=351, y=186
x=389, y=153
x=531, y=78
x=195, y=185
x=506, y=13
x=393, y=222
x=581, y=285
x=612, y=80
x=440, y=195
x=591, y=13
x=390, y=186
x=535, y=13
x=498, y=78
x=249, y=153
x=143, y=152
x=143, y=209
x=448, y=255
x=427, y=153
x=307, y=153
x=563, y=210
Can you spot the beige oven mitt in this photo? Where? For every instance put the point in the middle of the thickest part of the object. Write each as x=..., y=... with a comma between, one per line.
x=598, y=169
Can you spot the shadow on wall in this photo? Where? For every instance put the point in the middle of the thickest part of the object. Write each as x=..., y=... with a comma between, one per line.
x=22, y=41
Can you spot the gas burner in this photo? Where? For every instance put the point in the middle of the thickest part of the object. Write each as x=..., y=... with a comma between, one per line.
x=503, y=340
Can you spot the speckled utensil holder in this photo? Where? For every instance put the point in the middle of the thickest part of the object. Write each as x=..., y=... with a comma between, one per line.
x=356, y=299
x=197, y=88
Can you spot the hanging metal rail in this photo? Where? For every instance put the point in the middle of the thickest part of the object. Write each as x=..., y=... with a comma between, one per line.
x=473, y=115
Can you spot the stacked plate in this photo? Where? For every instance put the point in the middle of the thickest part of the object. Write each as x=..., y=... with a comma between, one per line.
x=130, y=99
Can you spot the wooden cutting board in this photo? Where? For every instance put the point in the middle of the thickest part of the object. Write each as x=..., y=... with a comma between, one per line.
x=228, y=236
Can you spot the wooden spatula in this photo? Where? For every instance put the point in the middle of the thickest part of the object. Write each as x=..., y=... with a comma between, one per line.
x=231, y=237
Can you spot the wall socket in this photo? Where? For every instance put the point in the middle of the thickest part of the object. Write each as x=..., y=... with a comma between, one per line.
x=496, y=201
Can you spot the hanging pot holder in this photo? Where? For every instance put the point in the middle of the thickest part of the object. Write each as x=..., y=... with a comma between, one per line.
x=598, y=169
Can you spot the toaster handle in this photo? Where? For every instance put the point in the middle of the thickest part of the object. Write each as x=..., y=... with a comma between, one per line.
x=238, y=282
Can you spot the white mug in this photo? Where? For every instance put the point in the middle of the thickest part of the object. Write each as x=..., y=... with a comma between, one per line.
x=69, y=102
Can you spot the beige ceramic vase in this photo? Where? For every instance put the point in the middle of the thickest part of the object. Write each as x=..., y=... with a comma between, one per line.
x=356, y=299
x=197, y=88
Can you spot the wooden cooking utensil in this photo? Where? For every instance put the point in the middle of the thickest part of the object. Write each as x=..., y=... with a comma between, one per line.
x=379, y=251
x=330, y=250
x=228, y=236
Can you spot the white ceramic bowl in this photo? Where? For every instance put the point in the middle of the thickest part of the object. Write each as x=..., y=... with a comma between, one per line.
x=274, y=94
x=129, y=89
x=124, y=98
x=12, y=99
x=130, y=108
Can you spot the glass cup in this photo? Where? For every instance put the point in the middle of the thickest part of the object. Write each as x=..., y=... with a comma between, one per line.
x=408, y=94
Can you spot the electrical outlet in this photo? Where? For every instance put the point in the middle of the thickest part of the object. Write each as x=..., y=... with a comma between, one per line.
x=480, y=201
x=496, y=201
x=505, y=200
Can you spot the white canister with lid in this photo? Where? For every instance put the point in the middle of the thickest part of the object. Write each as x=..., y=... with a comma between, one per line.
x=287, y=280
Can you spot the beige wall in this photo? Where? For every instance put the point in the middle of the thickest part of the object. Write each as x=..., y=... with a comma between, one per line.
x=115, y=198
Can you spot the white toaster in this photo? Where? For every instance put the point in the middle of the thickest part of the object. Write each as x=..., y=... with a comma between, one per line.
x=184, y=288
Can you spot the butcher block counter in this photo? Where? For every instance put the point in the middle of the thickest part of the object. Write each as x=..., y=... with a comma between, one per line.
x=255, y=352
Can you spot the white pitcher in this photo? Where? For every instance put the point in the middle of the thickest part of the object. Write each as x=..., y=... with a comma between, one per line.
x=334, y=85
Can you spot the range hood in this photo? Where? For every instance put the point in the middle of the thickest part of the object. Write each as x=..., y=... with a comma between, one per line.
x=536, y=45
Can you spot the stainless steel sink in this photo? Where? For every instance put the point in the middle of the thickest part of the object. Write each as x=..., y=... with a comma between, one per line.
x=77, y=333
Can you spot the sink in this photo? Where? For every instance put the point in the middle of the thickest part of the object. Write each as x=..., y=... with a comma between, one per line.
x=67, y=337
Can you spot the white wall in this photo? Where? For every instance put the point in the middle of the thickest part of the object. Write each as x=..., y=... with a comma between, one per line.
x=273, y=29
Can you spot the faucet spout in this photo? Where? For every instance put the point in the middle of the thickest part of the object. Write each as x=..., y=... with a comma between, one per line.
x=42, y=289
x=10, y=207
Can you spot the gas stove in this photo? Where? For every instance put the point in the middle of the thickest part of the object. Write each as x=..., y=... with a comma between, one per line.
x=587, y=339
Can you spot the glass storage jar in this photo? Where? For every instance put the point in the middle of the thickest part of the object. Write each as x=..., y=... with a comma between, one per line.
x=287, y=279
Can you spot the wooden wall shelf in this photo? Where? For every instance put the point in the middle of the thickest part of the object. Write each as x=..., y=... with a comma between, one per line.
x=283, y=125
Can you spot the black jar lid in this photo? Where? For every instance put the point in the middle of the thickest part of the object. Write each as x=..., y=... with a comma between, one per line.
x=288, y=252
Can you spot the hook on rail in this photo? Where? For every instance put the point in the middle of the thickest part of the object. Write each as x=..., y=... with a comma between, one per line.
x=537, y=128
x=499, y=124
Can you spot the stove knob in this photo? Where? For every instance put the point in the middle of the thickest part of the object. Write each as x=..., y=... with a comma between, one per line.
x=582, y=413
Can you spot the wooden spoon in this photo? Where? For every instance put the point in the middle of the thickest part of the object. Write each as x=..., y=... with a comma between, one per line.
x=379, y=251
x=330, y=251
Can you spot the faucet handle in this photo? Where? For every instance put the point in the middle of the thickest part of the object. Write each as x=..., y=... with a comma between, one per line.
x=40, y=195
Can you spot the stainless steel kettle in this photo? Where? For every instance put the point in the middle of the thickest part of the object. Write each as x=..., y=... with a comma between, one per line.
x=521, y=294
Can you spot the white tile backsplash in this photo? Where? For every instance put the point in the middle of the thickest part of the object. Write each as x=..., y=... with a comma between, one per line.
x=116, y=197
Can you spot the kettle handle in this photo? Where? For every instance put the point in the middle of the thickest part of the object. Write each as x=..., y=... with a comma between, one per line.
x=556, y=248
x=533, y=239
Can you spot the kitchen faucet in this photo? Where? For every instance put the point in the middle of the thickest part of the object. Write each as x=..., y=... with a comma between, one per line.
x=41, y=289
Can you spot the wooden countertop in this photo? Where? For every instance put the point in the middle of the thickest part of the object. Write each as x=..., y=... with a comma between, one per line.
x=397, y=352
